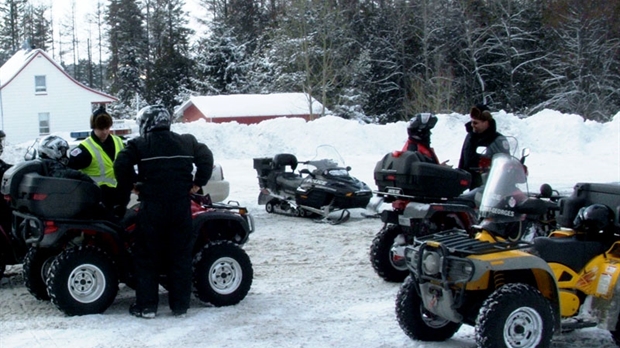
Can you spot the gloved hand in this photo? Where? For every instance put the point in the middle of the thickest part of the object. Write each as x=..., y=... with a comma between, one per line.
x=119, y=211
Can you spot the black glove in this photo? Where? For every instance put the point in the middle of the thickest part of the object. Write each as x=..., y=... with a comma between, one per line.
x=119, y=211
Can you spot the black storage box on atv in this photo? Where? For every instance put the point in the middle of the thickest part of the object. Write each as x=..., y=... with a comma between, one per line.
x=44, y=196
x=263, y=168
x=418, y=178
x=585, y=194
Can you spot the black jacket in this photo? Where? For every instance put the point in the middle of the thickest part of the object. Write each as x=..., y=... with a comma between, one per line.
x=165, y=163
x=491, y=139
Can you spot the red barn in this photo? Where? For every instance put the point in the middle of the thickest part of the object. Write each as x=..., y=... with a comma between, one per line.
x=248, y=108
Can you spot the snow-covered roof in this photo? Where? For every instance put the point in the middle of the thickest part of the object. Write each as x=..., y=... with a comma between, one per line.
x=12, y=67
x=252, y=105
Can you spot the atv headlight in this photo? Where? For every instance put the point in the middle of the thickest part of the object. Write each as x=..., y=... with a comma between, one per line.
x=460, y=270
x=431, y=262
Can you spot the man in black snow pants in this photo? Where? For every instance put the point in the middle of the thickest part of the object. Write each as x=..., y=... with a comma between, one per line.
x=164, y=238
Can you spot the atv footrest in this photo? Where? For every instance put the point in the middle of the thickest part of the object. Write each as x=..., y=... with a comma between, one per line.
x=459, y=241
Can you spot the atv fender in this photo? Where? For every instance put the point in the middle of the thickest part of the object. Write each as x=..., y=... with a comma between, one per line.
x=88, y=227
x=216, y=225
x=514, y=266
x=608, y=309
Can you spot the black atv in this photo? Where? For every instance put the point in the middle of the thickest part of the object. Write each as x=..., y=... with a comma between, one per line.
x=323, y=188
x=78, y=257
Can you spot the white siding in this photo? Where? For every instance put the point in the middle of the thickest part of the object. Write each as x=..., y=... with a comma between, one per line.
x=68, y=103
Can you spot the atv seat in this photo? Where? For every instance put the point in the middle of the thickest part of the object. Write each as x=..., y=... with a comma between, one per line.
x=568, y=251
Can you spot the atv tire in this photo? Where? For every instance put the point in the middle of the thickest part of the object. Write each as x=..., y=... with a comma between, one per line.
x=381, y=255
x=515, y=315
x=82, y=280
x=416, y=321
x=222, y=274
x=37, y=263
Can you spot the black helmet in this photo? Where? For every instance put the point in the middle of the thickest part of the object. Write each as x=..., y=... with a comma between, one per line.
x=421, y=123
x=593, y=218
x=153, y=117
x=54, y=147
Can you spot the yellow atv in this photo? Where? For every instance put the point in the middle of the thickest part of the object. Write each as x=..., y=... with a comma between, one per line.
x=517, y=293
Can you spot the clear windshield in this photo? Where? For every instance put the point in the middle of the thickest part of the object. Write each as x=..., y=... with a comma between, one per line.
x=506, y=187
x=328, y=159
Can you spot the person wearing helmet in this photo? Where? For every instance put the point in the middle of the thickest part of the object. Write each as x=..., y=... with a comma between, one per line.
x=481, y=132
x=53, y=153
x=419, y=136
x=164, y=182
x=95, y=157
x=596, y=222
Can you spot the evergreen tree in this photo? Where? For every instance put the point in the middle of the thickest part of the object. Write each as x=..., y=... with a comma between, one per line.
x=127, y=47
x=11, y=34
x=169, y=67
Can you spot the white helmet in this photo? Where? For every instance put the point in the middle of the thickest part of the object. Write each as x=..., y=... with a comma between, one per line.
x=54, y=147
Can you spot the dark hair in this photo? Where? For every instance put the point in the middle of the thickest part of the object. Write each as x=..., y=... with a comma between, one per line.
x=480, y=112
x=100, y=119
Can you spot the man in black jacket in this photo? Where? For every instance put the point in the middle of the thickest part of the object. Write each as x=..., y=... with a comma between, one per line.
x=481, y=133
x=164, y=181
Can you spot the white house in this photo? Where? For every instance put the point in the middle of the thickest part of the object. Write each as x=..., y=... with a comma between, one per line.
x=248, y=108
x=37, y=98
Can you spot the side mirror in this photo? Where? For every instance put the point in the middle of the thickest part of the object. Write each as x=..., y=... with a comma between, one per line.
x=348, y=168
x=304, y=171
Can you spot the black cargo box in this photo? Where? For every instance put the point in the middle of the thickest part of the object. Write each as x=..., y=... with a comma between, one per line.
x=418, y=178
x=585, y=194
x=60, y=198
x=14, y=175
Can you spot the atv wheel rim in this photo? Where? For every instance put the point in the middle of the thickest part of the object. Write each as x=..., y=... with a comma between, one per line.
x=86, y=283
x=225, y=275
x=397, y=261
x=523, y=328
x=431, y=320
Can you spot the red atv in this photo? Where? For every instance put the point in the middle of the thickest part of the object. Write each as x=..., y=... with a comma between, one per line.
x=77, y=258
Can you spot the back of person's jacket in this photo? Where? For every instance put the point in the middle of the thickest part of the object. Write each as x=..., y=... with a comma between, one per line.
x=165, y=163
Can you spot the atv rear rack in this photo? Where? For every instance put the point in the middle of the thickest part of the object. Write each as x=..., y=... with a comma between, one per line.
x=459, y=241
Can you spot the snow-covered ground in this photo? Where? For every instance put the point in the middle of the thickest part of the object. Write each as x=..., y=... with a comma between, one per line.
x=313, y=283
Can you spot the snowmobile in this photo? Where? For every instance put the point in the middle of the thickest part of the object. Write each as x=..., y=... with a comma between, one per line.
x=324, y=188
x=517, y=293
x=78, y=255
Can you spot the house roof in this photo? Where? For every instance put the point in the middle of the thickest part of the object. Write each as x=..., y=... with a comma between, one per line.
x=20, y=60
x=285, y=104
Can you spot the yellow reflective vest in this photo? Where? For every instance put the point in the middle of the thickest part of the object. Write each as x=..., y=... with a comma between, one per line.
x=101, y=168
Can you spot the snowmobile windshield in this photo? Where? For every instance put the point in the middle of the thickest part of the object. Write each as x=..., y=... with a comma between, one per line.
x=506, y=187
x=328, y=161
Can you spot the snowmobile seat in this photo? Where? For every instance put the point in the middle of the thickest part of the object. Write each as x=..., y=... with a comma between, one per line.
x=281, y=160
x=568, y=251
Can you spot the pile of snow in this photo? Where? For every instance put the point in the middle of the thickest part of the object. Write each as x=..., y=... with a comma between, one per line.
x=313, y=283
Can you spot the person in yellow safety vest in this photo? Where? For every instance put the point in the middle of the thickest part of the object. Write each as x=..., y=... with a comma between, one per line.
x=95, y=157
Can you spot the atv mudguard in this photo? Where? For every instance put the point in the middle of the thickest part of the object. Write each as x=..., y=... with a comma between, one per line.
x=607, y=310
x=207, y=227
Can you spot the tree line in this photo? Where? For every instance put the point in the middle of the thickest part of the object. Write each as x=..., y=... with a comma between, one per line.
x=372, y=60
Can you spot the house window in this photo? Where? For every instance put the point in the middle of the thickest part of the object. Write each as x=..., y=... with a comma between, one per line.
x=40, y=85
x=44, y=123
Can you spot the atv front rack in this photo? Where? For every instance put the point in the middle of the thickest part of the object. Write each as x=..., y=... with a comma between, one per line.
x=460, y=242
